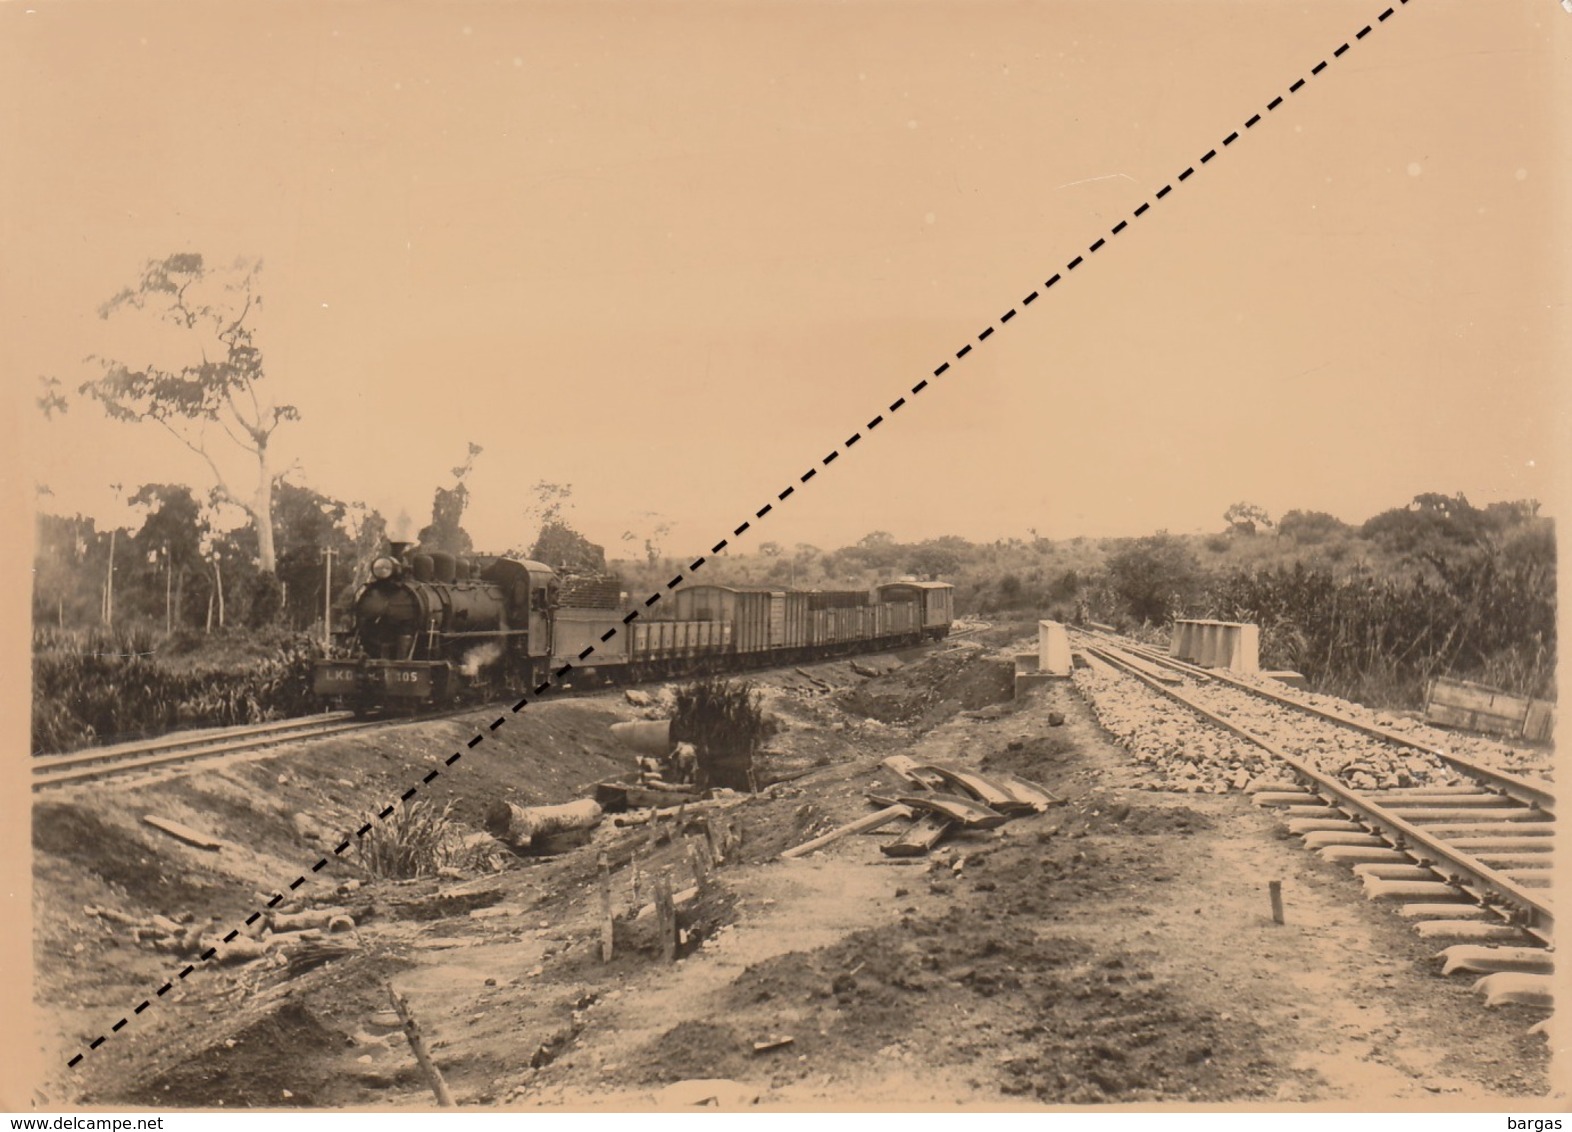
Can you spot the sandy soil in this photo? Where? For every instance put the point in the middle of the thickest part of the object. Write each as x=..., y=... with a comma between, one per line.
x=1116, y=949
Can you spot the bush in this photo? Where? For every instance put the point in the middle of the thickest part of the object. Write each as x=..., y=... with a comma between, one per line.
x=725, y=722
x=1153, y=576
x=99, y=686
x=267, y=601
x=415, y=841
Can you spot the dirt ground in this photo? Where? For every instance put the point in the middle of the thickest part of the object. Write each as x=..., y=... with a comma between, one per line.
x=1118, y=948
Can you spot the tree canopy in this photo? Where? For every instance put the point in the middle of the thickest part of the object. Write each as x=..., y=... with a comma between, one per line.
x=211, y=396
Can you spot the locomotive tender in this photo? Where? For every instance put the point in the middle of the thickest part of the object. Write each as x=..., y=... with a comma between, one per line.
x=429, y=625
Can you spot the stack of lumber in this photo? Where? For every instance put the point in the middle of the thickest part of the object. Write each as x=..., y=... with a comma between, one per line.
x=942, y=797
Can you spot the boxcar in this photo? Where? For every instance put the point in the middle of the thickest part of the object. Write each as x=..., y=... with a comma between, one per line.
x=935, y=599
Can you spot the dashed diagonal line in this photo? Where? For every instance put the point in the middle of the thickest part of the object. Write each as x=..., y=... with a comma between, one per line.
x=786, y=493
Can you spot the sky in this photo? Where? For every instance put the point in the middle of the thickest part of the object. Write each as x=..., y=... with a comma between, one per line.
x=675, y=253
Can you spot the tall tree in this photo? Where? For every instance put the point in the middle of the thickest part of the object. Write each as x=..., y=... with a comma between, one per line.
x=1245, y=518
x=562, y=548
x=170, y=539
x=446, y=529
x=214, y=399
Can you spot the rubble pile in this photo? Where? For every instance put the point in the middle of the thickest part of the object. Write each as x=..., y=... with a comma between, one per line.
x=1183, y=753
x=1362, y=761
x=289, y=937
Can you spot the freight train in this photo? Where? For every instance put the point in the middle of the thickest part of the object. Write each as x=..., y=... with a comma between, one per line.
x=429, y=627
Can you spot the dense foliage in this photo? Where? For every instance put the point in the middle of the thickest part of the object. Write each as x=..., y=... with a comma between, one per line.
x=95, y=686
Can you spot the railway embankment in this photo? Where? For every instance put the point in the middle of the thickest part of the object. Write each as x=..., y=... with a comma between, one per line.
x=1117, y=948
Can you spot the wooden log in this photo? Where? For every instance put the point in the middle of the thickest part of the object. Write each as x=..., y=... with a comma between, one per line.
x=318, y=918
x=618, y=796
x=870, y=821
x=643, y=817
x=607, y=924
x=417, y=1045
x=926, y=832
x=649, y=736
x=520, y=826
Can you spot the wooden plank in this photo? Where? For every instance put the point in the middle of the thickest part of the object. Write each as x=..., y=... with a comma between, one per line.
x=967, y=812
x=913, y=772
x=182, y=832
x=1540, y=723
x=871, y=821
x=1038, y=797
x=926, y=832
x=1476, y=697
x=987, y=791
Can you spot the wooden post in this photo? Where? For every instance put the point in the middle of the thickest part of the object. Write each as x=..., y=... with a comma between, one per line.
x=607, y=924
x=1276, y=889
x=665, y=918
x=699, y=861
x=327, y=600
x=633, y=870
x=417, y=1045
x=109, y=580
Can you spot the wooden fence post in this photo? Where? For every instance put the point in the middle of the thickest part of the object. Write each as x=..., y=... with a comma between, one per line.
x=417, y=1045
x=607, y=924
x=665, y=918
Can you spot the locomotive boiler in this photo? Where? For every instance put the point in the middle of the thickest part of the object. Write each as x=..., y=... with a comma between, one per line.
x=427, y=624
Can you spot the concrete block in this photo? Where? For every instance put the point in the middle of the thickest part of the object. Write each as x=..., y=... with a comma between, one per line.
x=1053, y=649
x=1233, y=645
x=1025, y=681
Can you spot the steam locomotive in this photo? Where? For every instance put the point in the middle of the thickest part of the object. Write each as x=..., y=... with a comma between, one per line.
x=429, y=626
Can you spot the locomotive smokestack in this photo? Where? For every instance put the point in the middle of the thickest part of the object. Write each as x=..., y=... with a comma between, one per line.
x=400, y=549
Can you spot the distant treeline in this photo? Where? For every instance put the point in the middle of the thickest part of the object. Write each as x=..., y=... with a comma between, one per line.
x=1372, y=612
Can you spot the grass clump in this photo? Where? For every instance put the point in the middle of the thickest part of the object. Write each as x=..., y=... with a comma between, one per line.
x=418, y=840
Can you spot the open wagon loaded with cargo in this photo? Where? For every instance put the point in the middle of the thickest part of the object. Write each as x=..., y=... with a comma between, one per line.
x=429, y=626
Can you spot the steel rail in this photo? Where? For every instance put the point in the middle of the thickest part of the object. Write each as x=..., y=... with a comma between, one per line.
x=114, y=767
x=1489, y=886
x=1537, y=795
x=183, y=739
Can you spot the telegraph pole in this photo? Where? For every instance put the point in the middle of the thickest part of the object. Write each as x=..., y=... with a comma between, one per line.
x=327, y=598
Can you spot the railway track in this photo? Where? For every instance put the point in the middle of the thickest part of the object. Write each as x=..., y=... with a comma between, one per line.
x=1466, y=853
x=122, y=759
